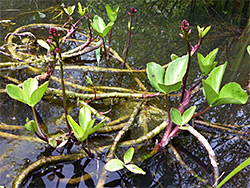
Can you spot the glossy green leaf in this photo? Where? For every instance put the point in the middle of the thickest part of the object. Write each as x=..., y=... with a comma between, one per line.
x=70, y=10
x=114, y=165
x=231, y=93
x=17, y=93
x=29, y=86
x=235, y=171
x=98, y=126
x=127, y=157
x=135, y=169
x=43, y=44
x=248, y=49
x=78, y=132
x=209, y=93
x=215, y=77
x=206, y=31
x=31, y=126
x=155, y=75
x=84, y=117
x=175, y=116
x=207, y=64
x=187, y=115
x=112, y=14
x=37, y=95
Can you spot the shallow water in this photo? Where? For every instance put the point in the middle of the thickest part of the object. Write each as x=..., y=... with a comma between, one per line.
x=155, y=38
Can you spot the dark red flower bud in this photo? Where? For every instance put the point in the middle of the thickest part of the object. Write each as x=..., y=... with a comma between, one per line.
x=133, y=10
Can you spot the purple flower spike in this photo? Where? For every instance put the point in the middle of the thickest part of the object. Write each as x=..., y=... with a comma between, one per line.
x=184, y=25
x=57, y=50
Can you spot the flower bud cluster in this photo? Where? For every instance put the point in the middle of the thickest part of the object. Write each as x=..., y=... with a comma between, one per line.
x=53, y=40
x=133, y=10
x=185, y=30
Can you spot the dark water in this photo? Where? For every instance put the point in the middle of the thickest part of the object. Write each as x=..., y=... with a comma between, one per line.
x=155, y=38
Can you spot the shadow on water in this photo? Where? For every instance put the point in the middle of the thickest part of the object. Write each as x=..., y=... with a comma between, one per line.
x=155, y=38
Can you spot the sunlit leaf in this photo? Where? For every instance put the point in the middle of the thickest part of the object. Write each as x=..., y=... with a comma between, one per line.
x=187, y=115
x=98, y=52
x=175, y=116
x=31, y=126
x=209, y=93
x=78, y=132
x=155, y=75
x=107, y=28
x=84, y=117
x=135, y=169
x=127, y=157
x=99, y=25
x=88, y=129
x=112, y=14
x=114, y=165
x=231, y=93
x=80, y=11
x=184, y=128
x=206, y=31
x=37, y=95
x=29, y=86
x=17, y=93
x=174, y=57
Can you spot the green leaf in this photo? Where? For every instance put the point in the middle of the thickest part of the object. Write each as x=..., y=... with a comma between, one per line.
x=176, y=71
x=187, y=115
x=170, y=88
x=248, y=49
x=70, y=10
x=17, y=93
x=29, y=86
x=231, y=93
x=215, y=77
x=112, y=14
x=235, y=171
x=52, y=142
x=135, y=169
x=114, y=165
x=176, y=116
x=84, y=117
x=88, y=129
x=207, y=64
x=99, y=25
x=209, y=93
x=78, y=132
x=98, y=126
x=98, y=53
x=206, y=31
x=37, y=95
x=107, y=28
x=127, y=157
x=80, y=9
x=155, y=75
x=89, y=80
x=200, y=30
x=174, y=57
x=31, y=126
x=43, y=44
